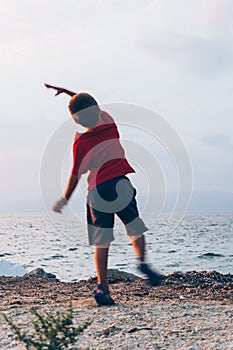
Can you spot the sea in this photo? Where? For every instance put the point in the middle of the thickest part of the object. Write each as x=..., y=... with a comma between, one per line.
x=59, y=245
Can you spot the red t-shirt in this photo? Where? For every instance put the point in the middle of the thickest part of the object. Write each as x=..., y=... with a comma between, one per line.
x=99, y=151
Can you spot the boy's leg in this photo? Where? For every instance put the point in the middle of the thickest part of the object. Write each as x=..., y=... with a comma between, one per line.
x=135, y=228
x=101, y=293
x=138, y=243
x=100, y=232
x=101, y=264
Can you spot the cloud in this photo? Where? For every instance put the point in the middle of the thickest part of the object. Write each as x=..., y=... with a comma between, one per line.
x=202, y=56
x=136, y=51
x=200, y=44
x=221, y=142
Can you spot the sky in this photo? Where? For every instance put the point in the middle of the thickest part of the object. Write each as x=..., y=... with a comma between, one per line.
x=170, y=56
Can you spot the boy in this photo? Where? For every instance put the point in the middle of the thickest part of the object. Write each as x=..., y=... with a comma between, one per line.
x=99, y=152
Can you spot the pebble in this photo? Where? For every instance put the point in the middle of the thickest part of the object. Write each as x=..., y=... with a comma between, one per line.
x=197, y=326
x=190, y=311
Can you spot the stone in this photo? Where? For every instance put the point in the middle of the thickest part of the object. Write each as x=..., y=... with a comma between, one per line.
x=40, y=273
x=116, y=276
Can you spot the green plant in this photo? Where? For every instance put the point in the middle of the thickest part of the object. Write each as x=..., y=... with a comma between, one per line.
x=51, y=331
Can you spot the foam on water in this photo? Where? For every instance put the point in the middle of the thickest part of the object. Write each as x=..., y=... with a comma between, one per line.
x=9, y=269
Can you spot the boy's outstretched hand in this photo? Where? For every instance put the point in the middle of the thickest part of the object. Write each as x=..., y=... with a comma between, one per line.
x=60, y=90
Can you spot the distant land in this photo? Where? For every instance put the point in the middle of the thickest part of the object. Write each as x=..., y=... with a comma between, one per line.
x=211, y=201
x=200, y=202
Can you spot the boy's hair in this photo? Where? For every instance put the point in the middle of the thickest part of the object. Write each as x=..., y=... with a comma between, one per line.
x=87, y=109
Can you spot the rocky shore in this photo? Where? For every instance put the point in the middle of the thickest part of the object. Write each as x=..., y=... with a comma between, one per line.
x=191, y=310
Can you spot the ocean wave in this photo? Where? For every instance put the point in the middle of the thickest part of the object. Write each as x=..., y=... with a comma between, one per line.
x=210, y=255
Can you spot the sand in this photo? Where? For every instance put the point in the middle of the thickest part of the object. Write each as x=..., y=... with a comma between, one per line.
x=190, y=310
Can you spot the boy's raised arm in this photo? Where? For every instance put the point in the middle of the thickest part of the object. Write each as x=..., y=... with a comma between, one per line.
x=60, y=90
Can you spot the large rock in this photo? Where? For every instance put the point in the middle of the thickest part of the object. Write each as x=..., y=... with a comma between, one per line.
x=116, y=276
x=39, y=273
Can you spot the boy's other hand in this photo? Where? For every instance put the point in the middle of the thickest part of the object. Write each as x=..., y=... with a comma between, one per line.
x=59, y=205
x=59, y=90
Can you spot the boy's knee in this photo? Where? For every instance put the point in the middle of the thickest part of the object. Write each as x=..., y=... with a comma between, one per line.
x=104, y=245
x=135, y=237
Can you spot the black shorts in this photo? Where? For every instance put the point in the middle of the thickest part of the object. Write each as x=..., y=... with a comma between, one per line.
x=115, y=196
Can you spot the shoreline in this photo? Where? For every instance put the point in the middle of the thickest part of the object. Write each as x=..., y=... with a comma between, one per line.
x=191, y=310
x=192, y=285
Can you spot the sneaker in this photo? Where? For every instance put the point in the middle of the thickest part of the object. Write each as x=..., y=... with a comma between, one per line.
x=155, y=278
x=103, y=298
